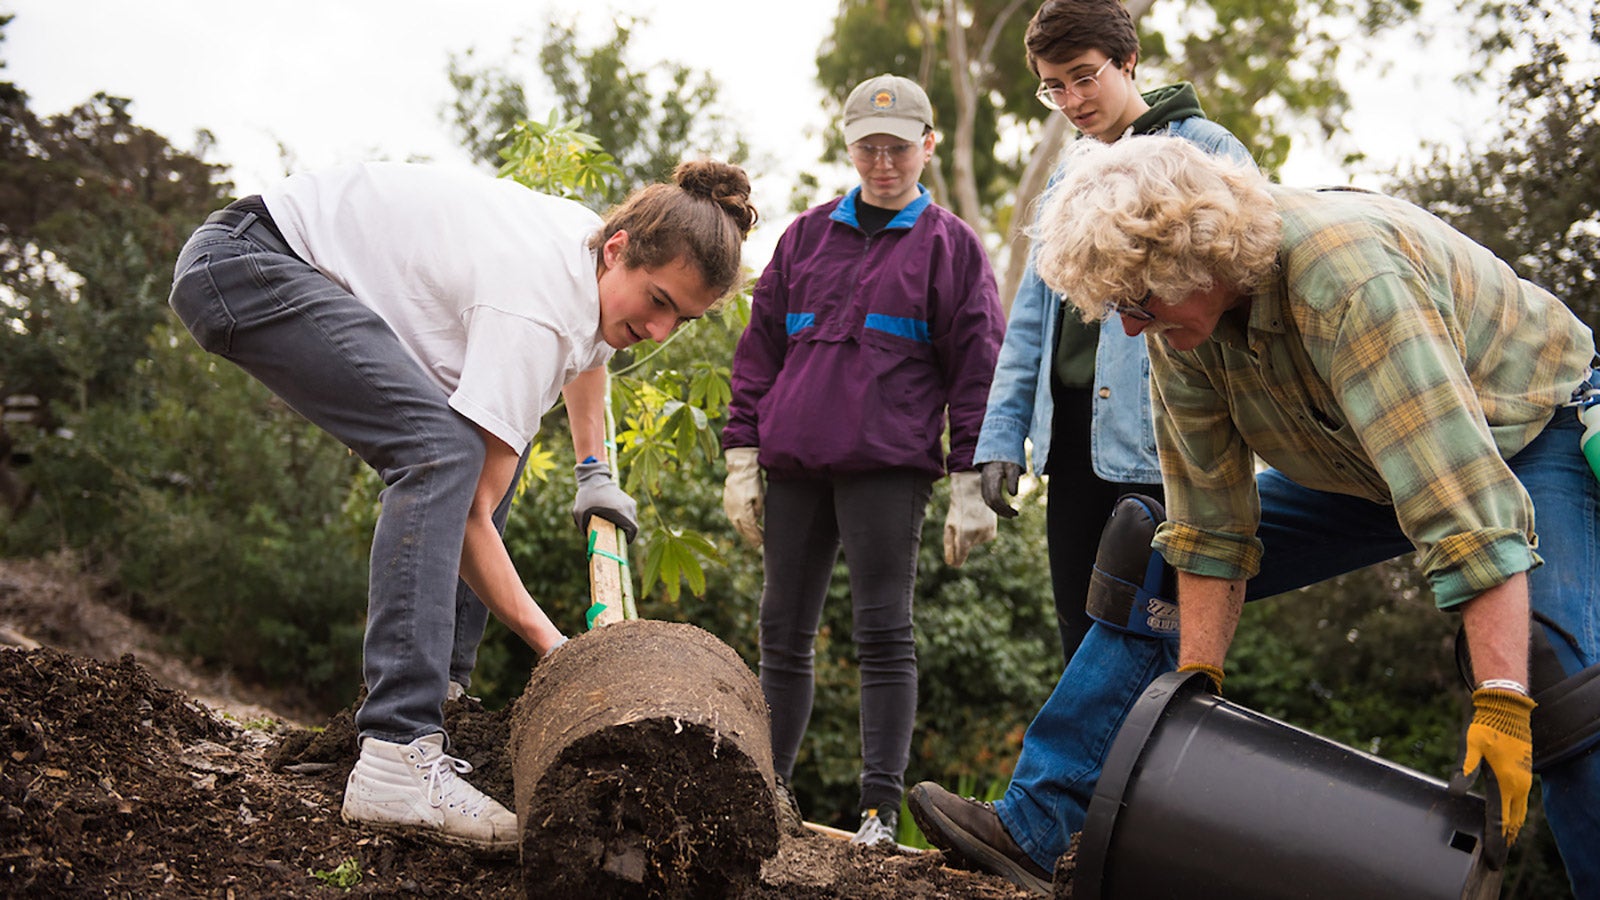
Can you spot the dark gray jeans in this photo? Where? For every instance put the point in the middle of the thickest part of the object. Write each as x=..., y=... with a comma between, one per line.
x=877, y=519
x=246, y=297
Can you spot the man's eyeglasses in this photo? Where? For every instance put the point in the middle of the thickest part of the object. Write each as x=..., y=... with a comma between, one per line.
x=1085, y=88
x=1137, y=310
x=889, y=153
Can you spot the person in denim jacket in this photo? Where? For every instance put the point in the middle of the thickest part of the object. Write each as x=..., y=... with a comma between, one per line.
x=1068, y=386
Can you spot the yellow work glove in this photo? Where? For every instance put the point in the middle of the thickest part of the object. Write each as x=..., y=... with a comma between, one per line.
x=1500, y=735
x=743, y=495
x=970, y=521
x=1212, y=672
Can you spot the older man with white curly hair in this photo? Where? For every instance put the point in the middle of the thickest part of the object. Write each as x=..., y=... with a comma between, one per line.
x=1409, y=391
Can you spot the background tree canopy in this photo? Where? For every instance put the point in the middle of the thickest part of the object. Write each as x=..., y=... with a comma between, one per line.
x=242, y=531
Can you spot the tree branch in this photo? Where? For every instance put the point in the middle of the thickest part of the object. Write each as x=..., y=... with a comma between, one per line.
x=962, y=80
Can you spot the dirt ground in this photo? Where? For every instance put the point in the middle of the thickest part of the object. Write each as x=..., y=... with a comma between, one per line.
x=125, y=773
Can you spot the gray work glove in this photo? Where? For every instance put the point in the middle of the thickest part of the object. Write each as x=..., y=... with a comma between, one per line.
x=598, y=495
x=969, y=522
x=743, y=495
x=1000, y=479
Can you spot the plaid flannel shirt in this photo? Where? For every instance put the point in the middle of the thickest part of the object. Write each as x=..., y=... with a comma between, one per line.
x=1392, y=359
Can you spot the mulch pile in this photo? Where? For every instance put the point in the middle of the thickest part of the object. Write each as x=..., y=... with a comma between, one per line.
x=112, y=785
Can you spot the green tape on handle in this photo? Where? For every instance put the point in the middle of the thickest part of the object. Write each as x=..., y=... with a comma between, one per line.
x=594, y=612
x=594, y=551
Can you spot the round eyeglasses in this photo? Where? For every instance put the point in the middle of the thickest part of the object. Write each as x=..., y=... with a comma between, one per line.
x=894, y=154
x=1085, y=88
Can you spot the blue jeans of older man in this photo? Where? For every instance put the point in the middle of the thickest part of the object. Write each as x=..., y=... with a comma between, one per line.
x=1311, y=536
x=247, y=297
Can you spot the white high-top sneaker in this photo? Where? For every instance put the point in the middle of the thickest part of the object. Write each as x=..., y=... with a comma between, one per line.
x=415, y=788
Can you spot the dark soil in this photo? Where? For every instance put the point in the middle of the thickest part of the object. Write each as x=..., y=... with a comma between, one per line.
x=118, y=780
x=643, y=767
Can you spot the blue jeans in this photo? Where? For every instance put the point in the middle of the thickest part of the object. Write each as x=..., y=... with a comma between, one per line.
x=877, y=518
x=1311, y=536
x=246, y=297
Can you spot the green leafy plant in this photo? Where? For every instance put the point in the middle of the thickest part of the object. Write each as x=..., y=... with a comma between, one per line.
x=554, y=157
x=344, y=876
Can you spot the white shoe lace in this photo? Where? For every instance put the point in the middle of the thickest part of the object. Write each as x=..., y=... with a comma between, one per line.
x=444, y=787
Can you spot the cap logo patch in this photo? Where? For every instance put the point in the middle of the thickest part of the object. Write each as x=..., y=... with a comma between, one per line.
x=883, y=100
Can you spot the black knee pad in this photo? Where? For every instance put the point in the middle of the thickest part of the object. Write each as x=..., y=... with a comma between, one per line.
x=1566, y=722
x=1132, y=587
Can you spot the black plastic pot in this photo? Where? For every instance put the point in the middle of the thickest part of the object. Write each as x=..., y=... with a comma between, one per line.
x=1202, y=798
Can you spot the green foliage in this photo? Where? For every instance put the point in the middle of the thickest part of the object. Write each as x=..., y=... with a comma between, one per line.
x=910, y=39
x=344, y=876
x=1364, y=659
x=224, y=516
x=1531, y=191
x=649, y=119
x=229, y=517
x=93, y=209
x=1265, y=69
x=554, y=157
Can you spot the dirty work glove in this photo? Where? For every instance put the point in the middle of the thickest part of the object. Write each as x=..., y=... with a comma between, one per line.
x=553, y=648
x=1000, y=479
x=969, y=522
x=743, y=494
x=1500, y=735
x=1212, y=672
x=598, y=495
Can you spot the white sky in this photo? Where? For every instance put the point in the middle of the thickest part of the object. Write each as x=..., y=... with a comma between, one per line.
x=341, y=80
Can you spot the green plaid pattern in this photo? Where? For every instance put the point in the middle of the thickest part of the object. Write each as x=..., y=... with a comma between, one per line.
x=1392, y=359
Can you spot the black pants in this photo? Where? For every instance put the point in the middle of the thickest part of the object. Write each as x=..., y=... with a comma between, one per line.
x=877, y=519
x=1072, y=527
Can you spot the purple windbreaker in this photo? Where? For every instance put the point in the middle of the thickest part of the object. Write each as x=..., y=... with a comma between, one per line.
x=857, y=345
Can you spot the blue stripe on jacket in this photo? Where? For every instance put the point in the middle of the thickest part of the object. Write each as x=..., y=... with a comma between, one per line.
x=915, y=329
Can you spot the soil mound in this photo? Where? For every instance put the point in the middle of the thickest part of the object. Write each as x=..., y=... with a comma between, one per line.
x=113, y=784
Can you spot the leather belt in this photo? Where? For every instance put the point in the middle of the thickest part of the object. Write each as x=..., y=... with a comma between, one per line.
x=251, y=225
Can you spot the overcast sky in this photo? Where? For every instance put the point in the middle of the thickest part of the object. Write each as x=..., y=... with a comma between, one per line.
x=341, y=80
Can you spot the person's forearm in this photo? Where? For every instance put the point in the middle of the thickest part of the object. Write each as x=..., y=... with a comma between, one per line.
x=1208, y=613
x=1496, y=623
x=586, y=413
x=486, y=568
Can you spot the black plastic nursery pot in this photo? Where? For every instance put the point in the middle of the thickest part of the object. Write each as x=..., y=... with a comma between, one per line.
x=1204, y=798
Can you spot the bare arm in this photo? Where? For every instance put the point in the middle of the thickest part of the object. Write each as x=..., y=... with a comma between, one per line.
x=1208, y=614
x=586, y=412
x=486, y=566
x=1496, y=622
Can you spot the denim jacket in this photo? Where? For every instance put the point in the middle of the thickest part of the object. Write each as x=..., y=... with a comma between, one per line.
x=1122, y=445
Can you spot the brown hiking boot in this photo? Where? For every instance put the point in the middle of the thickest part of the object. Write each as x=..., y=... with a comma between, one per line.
x=971, y=832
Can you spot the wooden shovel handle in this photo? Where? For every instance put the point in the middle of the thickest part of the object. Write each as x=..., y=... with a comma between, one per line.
x=605, y=573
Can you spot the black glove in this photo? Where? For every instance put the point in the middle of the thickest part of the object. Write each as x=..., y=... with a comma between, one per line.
x=598, y=495
x=1000, y=480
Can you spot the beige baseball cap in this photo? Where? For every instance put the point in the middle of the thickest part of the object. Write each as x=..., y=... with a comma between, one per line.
x=887, y=104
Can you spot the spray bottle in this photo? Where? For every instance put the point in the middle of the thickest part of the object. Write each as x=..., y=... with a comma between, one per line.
x=1589, y=415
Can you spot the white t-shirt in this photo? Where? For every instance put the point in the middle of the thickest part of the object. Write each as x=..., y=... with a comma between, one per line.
x=489, y=285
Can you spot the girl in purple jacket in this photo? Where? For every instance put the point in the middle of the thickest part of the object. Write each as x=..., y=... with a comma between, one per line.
x=876, y=323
